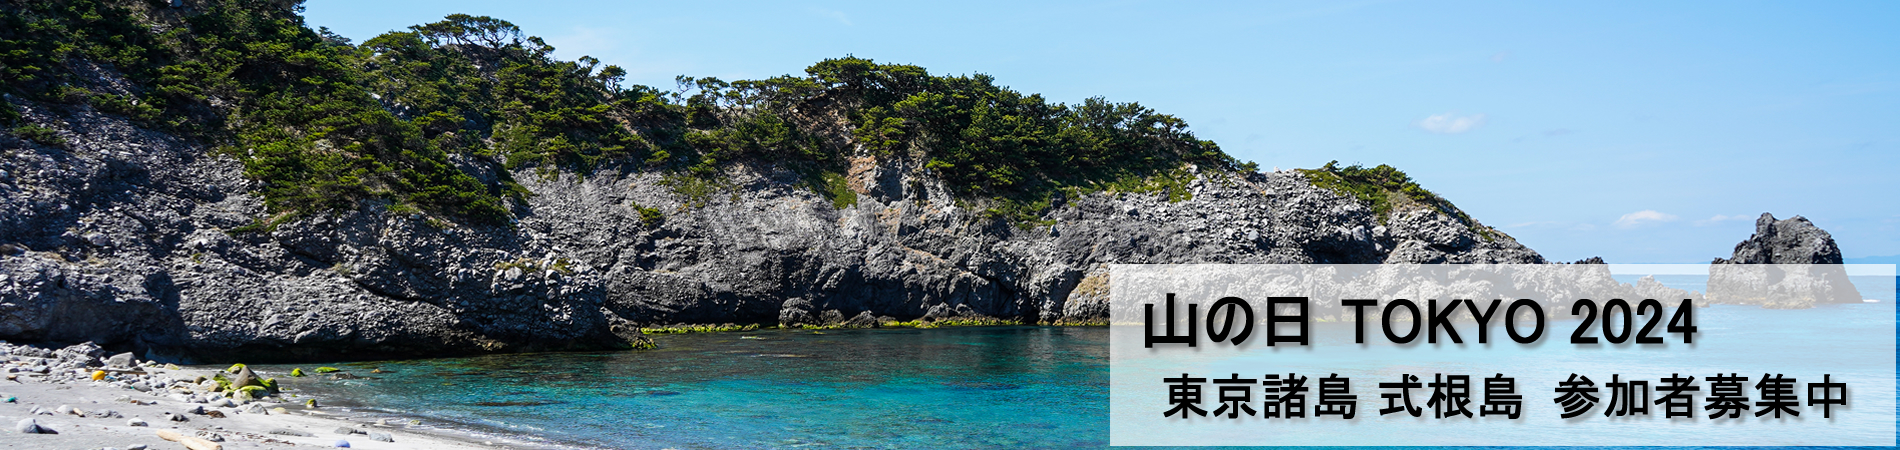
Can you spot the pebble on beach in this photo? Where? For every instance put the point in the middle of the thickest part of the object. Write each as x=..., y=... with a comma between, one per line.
x=289, y=432
x=127, y=375
x=122, y=361
x=30, y=426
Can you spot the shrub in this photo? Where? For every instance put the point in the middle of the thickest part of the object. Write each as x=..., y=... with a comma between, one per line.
x=1382, y=188
x=649, y=216
x=838, y=190
x=42, y=135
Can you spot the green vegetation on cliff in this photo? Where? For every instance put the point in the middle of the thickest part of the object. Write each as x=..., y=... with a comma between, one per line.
x=412, y=118
x=1386, y=188
x=249, y=77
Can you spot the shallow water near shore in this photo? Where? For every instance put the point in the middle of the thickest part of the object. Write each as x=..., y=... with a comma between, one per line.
x=974, y=387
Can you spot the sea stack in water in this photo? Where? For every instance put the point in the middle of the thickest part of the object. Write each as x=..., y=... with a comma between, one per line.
x=1792, y=241
x=1786, y=264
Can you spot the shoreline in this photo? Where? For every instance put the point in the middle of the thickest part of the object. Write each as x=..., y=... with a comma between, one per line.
x=691, y=328
x=44, y=384
x=57, y=391
x=54, y=387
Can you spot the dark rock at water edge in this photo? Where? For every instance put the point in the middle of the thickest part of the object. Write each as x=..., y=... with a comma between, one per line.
x=245, y=377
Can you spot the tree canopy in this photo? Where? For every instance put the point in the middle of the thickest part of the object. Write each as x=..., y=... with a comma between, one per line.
x=327, y=124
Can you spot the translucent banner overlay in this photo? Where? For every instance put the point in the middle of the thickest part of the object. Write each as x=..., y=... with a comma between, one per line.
x=1568, y=355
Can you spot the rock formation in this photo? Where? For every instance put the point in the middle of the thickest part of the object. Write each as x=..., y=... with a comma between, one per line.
x=130, y=238
x=1791, y=241
x=1786, y=264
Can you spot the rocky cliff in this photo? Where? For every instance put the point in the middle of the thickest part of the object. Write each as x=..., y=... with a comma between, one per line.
x=212, y=179
x=127, y=237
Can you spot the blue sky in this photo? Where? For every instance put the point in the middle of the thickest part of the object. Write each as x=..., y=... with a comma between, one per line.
x=1643, y=132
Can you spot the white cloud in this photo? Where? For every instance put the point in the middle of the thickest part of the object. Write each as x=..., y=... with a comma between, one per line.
x=1640, y=218
x=1719, y=218
x=1451, y=123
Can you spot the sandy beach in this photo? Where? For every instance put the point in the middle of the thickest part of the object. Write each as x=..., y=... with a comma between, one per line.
x=57, y=392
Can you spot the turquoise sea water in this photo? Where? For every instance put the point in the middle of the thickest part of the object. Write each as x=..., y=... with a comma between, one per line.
x=982, y=387
x=987, y=387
